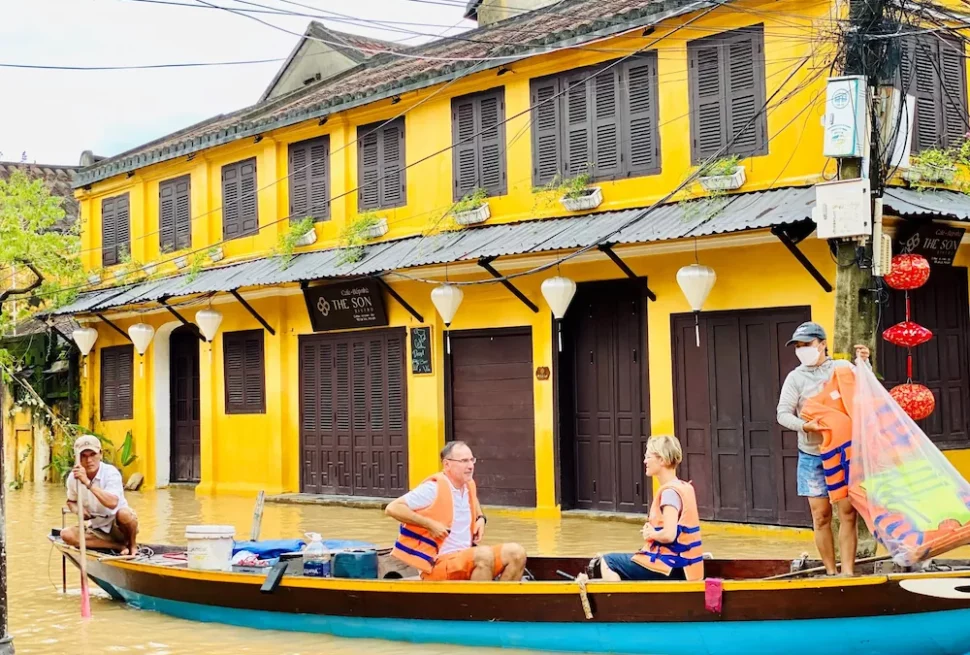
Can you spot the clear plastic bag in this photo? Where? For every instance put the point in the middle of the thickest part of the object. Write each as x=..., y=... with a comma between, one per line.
x=914, y=501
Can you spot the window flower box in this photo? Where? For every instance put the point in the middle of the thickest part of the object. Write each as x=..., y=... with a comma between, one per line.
x=149, y=269
x=308, y=239
x=94, y=278
x=724, y=182
x=181, y=262
x=589, y=199
x=473, y=216
x=217, y=254
x=377, y=230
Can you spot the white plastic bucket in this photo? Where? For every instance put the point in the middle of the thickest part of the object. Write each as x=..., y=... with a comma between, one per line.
x=210, y=547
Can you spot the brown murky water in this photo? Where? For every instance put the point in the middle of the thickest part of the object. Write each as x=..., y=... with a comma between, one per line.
x=44, y=620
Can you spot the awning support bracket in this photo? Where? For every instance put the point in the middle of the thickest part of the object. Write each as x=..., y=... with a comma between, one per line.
x=802, y=259
x=182, y=319
x=486, y=263
x=255, y=314
x=607, y=249
x=69, y=341
x=115, y=327
x=404, y=303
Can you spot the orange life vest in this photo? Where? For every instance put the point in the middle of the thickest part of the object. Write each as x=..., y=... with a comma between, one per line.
x=832, y=408
x=684, y=552
x=415, y=546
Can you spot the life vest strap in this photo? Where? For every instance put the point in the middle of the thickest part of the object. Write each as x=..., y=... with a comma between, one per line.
x=405, y=532
x=416, y=553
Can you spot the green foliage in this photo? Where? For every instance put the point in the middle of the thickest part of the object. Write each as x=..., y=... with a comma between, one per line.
x=470, y=201
x=20, y=470
x=127, y=453
x=563, y=187
x=935, y=165
x=197, y=262
x=287, y=241
x=722, y=166
x=354, y=236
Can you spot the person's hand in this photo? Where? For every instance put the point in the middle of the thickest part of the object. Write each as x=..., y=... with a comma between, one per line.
x=81, y=476
x=479, y=533
x=648, y=532
x=812, y=426
x=862, y=352
x=437, y=529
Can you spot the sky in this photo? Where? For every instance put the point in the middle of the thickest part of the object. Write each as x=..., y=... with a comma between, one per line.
x=53, y=116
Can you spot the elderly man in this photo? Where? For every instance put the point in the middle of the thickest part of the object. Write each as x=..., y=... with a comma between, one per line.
x=112, y=525
x=443, y=526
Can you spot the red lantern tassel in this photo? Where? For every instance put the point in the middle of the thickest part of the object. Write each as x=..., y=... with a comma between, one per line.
x=909, y=365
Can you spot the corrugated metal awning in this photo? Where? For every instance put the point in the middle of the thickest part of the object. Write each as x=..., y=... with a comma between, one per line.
x=938, y=202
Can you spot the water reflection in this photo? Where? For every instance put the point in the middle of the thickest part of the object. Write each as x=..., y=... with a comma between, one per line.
x=43, y=620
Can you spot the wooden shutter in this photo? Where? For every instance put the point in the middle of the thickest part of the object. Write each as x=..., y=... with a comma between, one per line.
x=546, y=152
x=174, y=214
x=240, y=215
x=310, y=179
x=953, y=74
x=604, y=129
x=381, y=178
x=743, y=59
x=393, y=192
x=919, y=74
x=368, y=169
x=642, y=135
x=244, y=372
x=478, y=133
x=117, y=366
x=115, y=229
x=707, y=106
x=465, y=159
x=578, y=121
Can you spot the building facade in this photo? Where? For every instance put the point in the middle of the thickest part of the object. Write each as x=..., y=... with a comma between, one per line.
x=332, y=372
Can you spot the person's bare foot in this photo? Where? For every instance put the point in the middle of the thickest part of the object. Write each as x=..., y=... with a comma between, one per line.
x=125, y=551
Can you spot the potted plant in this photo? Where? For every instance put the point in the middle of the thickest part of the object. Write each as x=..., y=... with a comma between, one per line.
x=353, y=237
x=304, y=232
x=181, y=261
x=293, y=237
x=933, y=165
x=472, y=209
x=150, y=269
x=578, y=196
x=94, y=277
x=724, y=174
x=216, y=254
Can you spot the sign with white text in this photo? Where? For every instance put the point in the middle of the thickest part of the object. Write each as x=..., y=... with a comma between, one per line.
x=345, y=305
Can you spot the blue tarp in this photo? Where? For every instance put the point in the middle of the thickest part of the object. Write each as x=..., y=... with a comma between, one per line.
x=273, y=548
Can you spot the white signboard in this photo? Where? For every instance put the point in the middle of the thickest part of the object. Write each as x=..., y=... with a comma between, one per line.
x=843, y=209
x=846, y=120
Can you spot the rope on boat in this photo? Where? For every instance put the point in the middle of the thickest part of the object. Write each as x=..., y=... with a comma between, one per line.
x=581, y=580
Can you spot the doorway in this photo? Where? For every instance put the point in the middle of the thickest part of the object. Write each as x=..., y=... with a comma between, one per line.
x=186, y=464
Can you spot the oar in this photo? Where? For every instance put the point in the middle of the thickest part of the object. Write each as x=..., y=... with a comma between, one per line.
x=82, y=539
x=819, y=569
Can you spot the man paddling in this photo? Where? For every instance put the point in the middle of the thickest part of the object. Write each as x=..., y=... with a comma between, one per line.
x=442, y=526
x=112, y=524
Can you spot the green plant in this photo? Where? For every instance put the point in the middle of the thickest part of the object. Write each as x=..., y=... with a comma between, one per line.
x=934, y=165
x=563, y=187
x=20, y=470
x=722, y=166
x=287, y=241
x=470, y=202
x=354, y=236
x=198, y=262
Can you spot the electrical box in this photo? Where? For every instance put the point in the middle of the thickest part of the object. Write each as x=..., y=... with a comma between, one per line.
x=846, y=119
x=843, y=209
x=897, y=112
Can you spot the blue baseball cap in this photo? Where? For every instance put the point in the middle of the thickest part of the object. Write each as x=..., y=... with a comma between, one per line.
x=805, y=332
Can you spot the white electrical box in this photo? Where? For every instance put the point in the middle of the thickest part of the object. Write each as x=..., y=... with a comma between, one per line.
x=884, y=248
x=846, y=120
x=897, y=113
x=843, y=209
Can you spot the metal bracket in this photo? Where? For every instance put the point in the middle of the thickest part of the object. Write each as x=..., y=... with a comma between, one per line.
x=486, y=263
x=195, y=328
x=394, y=294
x=116, y=328
x=255, y=314
x=607, y=249
x=802, y=259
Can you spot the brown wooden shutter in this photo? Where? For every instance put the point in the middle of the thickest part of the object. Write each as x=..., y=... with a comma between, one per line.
x=478, y=133
x=707, y=105
x=546, y=152
x=578, y=141
x=642, y=140
x=310, y=179
x=368, y=169
x=244, y=372
x=465, y=158
x=240, y=215
x=109, y=253
x=343, y=448
x=743, y=58
x=122, y=227
x=604, y=129
x=381, y=178
x=953, y=74
x=393, y=192
x=174, y=214
x=117, y=364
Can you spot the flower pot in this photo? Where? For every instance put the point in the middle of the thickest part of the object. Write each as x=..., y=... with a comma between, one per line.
x=149, y=269
x=912, y=175
x=94, y=279
x=724, y=182
x=307, y=239
x=591, y=199
x=473, y=216
x=944, y=174
x=181, y=262
x=217, y=254
x=376, y=231
x=120, y=274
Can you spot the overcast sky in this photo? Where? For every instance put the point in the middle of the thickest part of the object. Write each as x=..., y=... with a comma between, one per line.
x=54, y=115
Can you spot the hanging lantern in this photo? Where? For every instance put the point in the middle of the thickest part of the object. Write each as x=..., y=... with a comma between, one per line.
x=907, y=334
x=208, y=321
x=558, y=292
x=447, y=298
x=908, y=272
x=915, y=399
x=141, y=335
x=85, y=338
x=696, y=282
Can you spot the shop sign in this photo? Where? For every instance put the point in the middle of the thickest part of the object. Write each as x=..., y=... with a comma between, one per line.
x=938, y=243
x=346, y=305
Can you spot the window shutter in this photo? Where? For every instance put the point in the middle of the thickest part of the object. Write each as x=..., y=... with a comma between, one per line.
x=109, y=383
x=358, y=387
x=642, y=142
x=954, y=91
x=183, y=213
x=174, y=218
x=253, y=382
x=377, y=384
x=707, y=111
x=166, y=216
x=369, y=169
x=122, y=227
x=490, y=123
x=239, y=207
x=244, y=372
x=465, y=158
x=605, y=153
x=926, y=89
x=310, y=179
x=396, y=406
x=546, y=153
x=578, y=124
x=116, y=382
x=230, y=202
x=248, y=206
x=392, y=171
x=743, y=57
x=109, y=253
x=479, y=134
x=299, y=187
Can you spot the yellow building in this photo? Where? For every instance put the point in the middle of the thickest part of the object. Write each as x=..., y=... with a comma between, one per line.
x=333, y=373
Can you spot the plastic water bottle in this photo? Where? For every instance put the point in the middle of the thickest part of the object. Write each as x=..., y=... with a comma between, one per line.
x=316, y=557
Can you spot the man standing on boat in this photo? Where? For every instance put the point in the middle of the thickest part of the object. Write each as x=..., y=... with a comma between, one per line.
x=442, y=526
x=803, y=383
x=112, y=524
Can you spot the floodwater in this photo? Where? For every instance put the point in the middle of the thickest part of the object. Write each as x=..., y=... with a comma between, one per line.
x=44, y=620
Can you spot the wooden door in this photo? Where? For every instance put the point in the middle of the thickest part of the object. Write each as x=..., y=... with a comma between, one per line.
x=942, y=364
x=185, y=410
x=490, y=385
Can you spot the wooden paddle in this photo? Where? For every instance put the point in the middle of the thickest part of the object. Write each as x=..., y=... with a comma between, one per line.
x=819, y=569
x=82, y=539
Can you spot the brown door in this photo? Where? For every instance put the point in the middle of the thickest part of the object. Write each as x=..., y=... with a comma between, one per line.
x=741, y=462
x=353, y=421
x=942, y=364
x=185, y=412
x=491, y=409
x=606, y=334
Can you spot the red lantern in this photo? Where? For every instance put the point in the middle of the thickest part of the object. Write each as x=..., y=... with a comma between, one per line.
x=909, y=272
x=907, y=334
x=915, y=399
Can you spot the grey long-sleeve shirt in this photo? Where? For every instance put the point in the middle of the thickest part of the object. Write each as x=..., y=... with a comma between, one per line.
x=800, y=385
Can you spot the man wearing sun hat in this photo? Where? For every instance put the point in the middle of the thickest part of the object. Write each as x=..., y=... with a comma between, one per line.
x=111, y=524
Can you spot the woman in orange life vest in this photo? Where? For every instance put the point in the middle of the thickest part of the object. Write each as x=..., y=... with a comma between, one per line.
x=672, y=535
x=801, y=384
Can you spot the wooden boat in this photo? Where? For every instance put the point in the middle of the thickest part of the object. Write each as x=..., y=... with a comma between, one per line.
x=925, y=612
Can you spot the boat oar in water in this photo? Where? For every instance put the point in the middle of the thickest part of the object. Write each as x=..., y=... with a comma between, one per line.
x=82, y=539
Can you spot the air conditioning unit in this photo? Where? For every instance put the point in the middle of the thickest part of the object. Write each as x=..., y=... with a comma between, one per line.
x=846, y=120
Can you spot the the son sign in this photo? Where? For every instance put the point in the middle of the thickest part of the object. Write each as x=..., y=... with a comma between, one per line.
x=345, y=305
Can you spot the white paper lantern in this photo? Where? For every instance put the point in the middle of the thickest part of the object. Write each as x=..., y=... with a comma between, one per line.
x=447, y=298
x=208, y=321
x=558, y=292
x=141, y=335
x=696, y=282
x=85, y=338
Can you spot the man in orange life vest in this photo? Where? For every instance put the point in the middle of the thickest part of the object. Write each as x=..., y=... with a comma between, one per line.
x=442, y=526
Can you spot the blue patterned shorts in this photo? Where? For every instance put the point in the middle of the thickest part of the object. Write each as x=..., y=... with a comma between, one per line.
x=811, y=477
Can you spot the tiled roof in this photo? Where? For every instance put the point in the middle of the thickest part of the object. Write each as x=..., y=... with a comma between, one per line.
x=572, y=22
x=357, y=47
x=59, y=180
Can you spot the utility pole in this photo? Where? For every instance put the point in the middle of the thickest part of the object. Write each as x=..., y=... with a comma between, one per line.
x=6, y=641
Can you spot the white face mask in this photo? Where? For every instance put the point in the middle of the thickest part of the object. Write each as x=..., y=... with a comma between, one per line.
x=807, y=355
